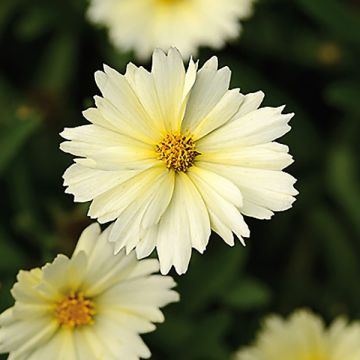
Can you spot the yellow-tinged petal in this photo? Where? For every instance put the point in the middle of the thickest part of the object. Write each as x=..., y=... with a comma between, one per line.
x=90, y=306
x=306, y=338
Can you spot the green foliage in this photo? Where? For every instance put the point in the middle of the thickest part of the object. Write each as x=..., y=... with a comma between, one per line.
x=303, y=53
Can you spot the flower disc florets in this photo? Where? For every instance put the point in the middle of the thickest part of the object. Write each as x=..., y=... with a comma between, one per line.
x=178, y=151
x=75, y=310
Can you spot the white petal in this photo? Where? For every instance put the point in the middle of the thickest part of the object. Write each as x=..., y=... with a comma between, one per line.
x=190, y=78
x=147, y=242
x=88, y=239
x=128, y=227
x=184, y=225
x=121, y=344
x=117, y=89
x=169, y=78
x=109, y=205
x=227, y=213
x=222, y=112
x=34, y=340
x=25, y=336
x=221, y=229
x=96, y=346
x=270, y=156
x=251, y=102
x=123, y=158
x=26, y=288
x=271, y=190
x=257, y=127
x=160, y=201
x=130, y=74
x=198, y=218
x=94, y=116
x=53, y=349
x=87, y=183
x=110, y=150
x=227, y=189
x=151, y=291
x=174, y=239
x=108, y=271
x=64, y=273
x=147, y=93
x=210, y=86
x=121, y=118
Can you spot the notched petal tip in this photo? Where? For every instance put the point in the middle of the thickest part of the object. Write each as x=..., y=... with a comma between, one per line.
x=64, y=133
x=107, y=68
x=242, y=241
x=100, y=78
x=290, y=115
x=174, y=50
x=62, y=146
x=211, y=64
x=158, y=53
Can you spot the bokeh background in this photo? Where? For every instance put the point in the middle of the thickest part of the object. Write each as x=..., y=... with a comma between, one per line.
x=303, y=53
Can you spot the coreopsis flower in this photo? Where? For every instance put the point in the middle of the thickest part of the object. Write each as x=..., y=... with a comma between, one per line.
x=304, y=337
x=171, y=154
x=91, y=306
x=143, y=25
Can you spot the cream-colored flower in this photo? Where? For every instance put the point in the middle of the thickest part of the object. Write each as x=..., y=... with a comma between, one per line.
x=171, y=154
x=92, y=306
x=143, y=25
x=304, y=337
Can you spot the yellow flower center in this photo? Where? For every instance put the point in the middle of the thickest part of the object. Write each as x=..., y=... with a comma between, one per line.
x=75, y=310
x=168, y=2
x=177, y=151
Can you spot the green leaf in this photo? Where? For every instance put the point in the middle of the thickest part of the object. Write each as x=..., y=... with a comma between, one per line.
x=345, y=95
x=13, y=137
x=343, y=180
x=12, y=257
x=7, y=8
x=210, y=276
x=35, y=22
x=248, y=294
x=208, y=337
x=58, y=66
x=6, y=299
x=338, y=251
x=336, y=16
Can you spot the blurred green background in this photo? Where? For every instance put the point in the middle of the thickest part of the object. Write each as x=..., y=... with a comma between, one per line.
x=303, y=53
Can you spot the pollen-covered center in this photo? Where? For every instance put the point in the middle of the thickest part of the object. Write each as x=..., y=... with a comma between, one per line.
x=75, y=310
x=177, y=151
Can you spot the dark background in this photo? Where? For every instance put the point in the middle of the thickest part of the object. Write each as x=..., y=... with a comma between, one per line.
x=303, y=53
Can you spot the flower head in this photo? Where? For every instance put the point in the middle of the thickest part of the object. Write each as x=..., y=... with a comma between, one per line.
x=304, y=337
x=143, y=25
x=171, y=154
x=91, y=306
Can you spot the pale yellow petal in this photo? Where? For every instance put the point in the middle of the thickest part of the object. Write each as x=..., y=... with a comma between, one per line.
x=169, y=78
x=227, y=213
x=270, y=156
x=257, y=127
x=209, y=87
x=224, y=110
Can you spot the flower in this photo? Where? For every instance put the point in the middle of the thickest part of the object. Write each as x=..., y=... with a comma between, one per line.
x=143, y=25
x=172, y=154
x=91, y=306
x=304, y=337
